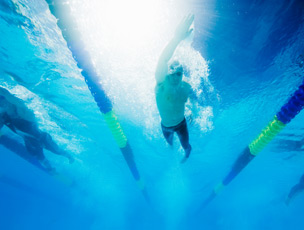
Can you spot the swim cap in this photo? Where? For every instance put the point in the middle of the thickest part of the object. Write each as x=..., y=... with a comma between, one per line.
x=175, y=67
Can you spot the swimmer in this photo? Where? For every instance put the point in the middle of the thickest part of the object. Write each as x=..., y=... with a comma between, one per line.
x=19, y=119
x=172, y=92
x=295, y=190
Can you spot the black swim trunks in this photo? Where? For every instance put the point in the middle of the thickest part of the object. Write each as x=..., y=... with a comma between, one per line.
x=182, y=133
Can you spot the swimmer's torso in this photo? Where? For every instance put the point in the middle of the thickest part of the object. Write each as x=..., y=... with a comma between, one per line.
x=171, y=102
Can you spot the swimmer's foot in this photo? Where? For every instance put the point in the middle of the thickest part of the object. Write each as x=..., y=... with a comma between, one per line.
x=184, y=160
x=71, y=159
x=69, y=156
x=52, y=171
x=48, y=167
x=287, y=201
x=187, y=154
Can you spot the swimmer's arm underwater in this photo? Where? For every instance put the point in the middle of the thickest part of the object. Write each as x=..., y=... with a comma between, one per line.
x=194, y=105
x=182, y=31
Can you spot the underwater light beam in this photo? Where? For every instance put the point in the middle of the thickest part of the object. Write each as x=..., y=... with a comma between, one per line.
x=121, y=26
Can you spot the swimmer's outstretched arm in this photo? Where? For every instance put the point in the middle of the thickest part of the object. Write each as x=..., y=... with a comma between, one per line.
x=182, y=31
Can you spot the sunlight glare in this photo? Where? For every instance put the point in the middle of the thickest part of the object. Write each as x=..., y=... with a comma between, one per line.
x=122, y=24
x=133, y=19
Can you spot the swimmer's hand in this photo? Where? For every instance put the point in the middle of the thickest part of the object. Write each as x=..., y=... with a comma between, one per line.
x=71, y=159
x=187, y=153
x=190, y=119
x=183, y=29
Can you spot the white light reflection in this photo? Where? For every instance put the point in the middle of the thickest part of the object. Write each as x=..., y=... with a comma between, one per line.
x=131, y=19
x=120, y=26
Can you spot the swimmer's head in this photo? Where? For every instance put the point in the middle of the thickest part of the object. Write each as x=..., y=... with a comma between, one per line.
x=175, y=73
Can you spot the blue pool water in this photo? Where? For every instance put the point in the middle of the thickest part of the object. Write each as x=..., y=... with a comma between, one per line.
x=244, y=61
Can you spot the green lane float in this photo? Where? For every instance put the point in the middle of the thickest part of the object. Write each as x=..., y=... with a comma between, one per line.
x=294, y=105
x=61, y=10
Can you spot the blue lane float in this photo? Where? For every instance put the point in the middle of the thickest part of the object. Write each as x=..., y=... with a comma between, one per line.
x=293, y=107
x=287, y=112
x=61, y=10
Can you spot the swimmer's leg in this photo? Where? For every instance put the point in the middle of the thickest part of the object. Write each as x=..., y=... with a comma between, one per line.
x=51, y=145
x=168, y=134
x=183, y=136
x=295, y=190
x=34, y=147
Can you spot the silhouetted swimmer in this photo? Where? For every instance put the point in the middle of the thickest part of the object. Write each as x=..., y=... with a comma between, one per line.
x=172, y=92
x=295, y=190
x=19, y=119
x=286, y=145
x=294, y=146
